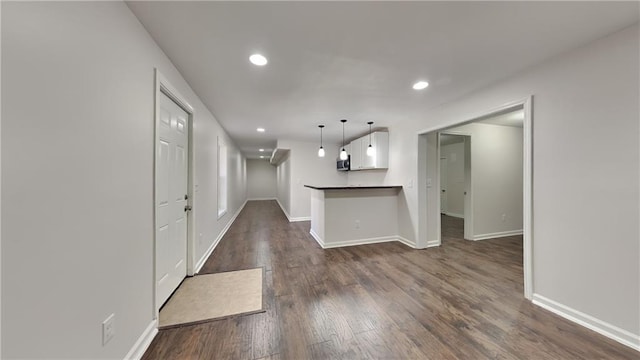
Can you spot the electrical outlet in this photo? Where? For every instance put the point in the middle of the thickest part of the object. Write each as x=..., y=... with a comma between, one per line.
x=357, y=224
x=108, y=329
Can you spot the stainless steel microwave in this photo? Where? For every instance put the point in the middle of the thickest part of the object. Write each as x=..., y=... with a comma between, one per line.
x=344, y=165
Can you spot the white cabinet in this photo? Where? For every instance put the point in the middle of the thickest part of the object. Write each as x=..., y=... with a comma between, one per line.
x=380, y=158
x=356, y=154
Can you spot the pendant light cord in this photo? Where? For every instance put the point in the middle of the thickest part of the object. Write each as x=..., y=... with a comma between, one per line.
x=343, y=121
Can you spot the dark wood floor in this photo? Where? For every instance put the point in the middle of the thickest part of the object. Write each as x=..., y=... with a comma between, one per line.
x=463, y=300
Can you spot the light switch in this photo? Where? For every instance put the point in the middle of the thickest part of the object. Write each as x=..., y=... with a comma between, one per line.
x=410, y=183
x=429, y=182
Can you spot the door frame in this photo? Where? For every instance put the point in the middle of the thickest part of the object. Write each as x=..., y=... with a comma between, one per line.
x=163, y=86
x=527, y=164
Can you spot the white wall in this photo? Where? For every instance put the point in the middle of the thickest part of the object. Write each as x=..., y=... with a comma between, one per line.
x=307, y=168
x=454, y=153
x=0, y=192
x=585, y=128
x=261, y=180
x=496, y=172
x=283, y=185
x=77, y=210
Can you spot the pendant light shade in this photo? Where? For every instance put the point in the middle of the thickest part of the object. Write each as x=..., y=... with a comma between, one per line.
x=343, y=152
x=370, y=149
x=321, y=150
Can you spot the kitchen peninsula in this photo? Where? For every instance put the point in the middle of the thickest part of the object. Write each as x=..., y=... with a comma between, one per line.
x=354, y=215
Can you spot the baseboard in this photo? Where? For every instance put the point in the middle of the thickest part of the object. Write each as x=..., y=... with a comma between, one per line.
x=317, y=238
x=433, y=243
x=215, y=243
x=284, y=210
x=143, y=342
x=355, y=242
x=292, y=219
x=409, y=243
x=613, y=332
x=454, y=215
x=261, y=199
x=302, y=218
x=497, y=235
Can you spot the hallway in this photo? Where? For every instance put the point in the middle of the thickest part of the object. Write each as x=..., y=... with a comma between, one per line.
x=462, y=300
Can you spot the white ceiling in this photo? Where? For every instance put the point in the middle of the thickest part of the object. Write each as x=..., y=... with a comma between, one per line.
x=358, y=60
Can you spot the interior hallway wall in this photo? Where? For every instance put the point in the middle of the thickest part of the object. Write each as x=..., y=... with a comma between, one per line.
x=261, y=180
x=77, y=177
x=585, y=256
x=497, y=183
x=307, y=168
x=283, y=185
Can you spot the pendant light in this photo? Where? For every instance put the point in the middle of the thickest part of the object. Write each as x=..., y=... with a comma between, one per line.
x=321, y=150
x=343, y=152
x=370, y=150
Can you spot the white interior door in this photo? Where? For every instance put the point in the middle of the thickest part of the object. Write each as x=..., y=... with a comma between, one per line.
x=443, y=185
x=171, y=198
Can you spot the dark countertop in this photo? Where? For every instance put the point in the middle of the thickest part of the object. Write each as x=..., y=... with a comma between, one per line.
x=354, y=187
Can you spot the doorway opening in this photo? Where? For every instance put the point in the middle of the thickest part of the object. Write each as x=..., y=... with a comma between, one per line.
x=486, y=192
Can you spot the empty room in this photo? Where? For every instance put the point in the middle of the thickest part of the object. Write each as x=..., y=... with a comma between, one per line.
x=319, y=180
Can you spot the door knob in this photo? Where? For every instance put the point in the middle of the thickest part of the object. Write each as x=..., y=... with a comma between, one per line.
x=187, y=208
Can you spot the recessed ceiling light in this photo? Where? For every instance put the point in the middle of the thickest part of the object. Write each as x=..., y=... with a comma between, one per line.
x=261, y=157
x=260, y=129
x=420, y=85
x=261, y=150
x=257, y=59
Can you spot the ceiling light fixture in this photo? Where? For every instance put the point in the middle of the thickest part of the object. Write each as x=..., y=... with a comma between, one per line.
x=261, y=150
x=420, y=85
x=370, y=150
x=260, y=129
x=343, y=152
x=257, y=59
x=261, y=157
x=321, y=150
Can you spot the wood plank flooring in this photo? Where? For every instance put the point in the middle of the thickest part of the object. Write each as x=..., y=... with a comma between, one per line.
x=463, y=300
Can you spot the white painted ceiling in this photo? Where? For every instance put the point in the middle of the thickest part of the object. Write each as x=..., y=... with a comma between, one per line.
x=358, y=60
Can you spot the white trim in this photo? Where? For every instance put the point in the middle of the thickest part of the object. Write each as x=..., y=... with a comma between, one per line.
x=283, y=210
x=355, y=242
x=434, y=243
x=497, y=235
x=527, y=196
x=143, y=342
x=317, y=238
x=454, y=215
x=409, y=243
x=292, y=219
x=215, y=243
x=261, y=199
x=601, y=327
x=301, y=218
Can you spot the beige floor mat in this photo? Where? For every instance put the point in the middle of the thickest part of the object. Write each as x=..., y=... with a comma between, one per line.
x=213, y=296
